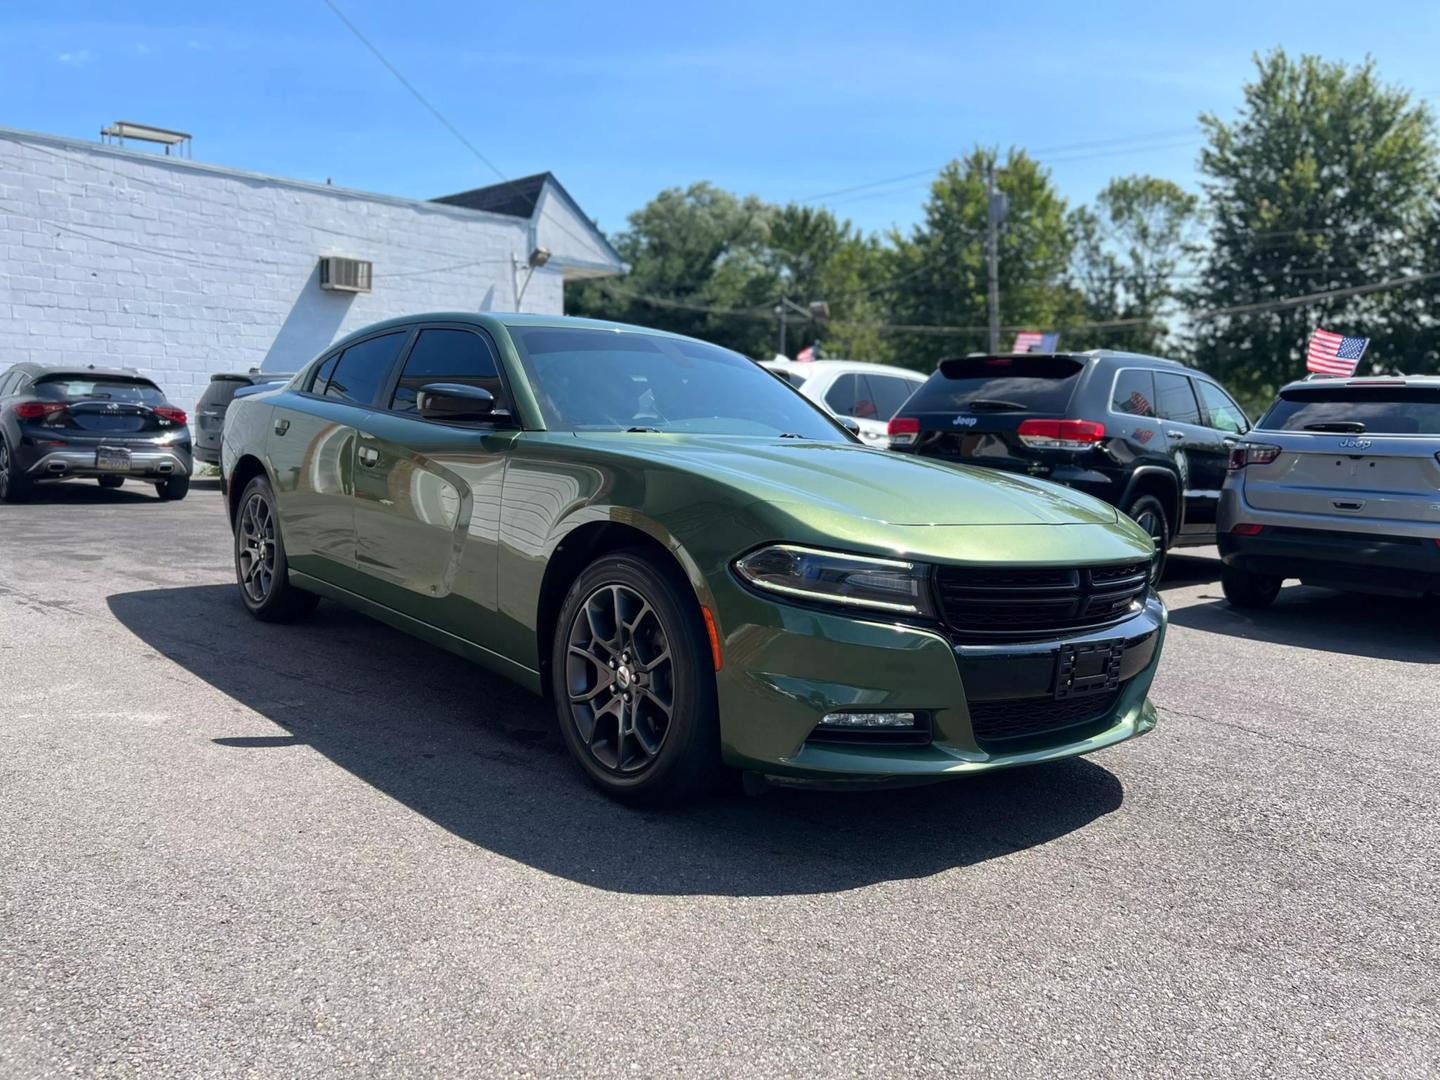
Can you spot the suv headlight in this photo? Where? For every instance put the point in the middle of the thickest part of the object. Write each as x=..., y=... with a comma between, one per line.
x=830, y=577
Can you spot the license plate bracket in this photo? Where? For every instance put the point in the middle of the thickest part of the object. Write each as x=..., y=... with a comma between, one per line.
x=112, y=459
x=1090, y=667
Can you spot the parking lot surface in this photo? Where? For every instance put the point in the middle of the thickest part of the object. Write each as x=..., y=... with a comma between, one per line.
x=233, y=849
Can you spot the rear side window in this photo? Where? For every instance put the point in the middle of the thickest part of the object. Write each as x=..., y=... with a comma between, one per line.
x=65, y=388
x=889, y=392
x=7, y=383
x=1000, y=383
x=1222, y=413
x=1134, y=393
x=363, y=367
x=794, y=378
x=848, y=396
x=1175, y=399
x=1376, y=410
x=448, y=356
x=321, y=379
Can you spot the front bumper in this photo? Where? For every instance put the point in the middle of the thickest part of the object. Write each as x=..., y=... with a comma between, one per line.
x=1339, y=559
x=785, y=667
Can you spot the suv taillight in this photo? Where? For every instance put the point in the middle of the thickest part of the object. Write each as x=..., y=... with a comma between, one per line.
x=1061, y=434
x=1251, y=454
x=39, y=410
x=170, y=414
x=903, y=431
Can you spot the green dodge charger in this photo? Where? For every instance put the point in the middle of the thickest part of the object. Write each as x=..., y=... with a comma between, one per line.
x=698, y=566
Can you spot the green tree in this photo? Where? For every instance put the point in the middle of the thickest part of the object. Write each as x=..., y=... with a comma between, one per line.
x=939, y=275
x=1324, y=180
x=1129, y=248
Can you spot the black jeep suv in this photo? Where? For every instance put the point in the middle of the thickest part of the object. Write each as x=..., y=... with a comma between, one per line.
x=1148, y=435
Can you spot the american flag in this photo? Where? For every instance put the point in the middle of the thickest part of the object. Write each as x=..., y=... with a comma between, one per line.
x=1035, y=341
x=1334, y=354
x=806, y=354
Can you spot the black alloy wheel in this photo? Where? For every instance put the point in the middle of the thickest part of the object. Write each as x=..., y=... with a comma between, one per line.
x=631, y=675
x=1147, y=512
x=261, y=569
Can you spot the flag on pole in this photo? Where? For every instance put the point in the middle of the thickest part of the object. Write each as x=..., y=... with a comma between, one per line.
x=1334, y=354
x=1035, y=341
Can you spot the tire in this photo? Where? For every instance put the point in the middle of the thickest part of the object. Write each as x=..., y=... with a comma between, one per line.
x=1147, y=512
x=111, y=481
x=173, y=489
x=264, y=586
x=629, y=747
x=1248, y=590
x=14, y=488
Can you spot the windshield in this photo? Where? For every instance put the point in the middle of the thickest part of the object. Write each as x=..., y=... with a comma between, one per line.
x=1376, y=410
x=606, y=380
x=999, y=383
x=75, y=389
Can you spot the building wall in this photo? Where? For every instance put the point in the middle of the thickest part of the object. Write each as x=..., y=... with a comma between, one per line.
x=118, y=257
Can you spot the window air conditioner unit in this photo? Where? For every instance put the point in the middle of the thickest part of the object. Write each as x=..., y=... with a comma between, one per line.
x=338, y=274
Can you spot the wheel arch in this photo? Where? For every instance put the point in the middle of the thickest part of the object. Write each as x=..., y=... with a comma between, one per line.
x=247, y=467
x=1164, y=485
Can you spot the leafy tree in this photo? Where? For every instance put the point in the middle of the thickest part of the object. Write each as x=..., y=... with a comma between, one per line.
x=1324, y=180
x=939, y=275
x=1130, y=247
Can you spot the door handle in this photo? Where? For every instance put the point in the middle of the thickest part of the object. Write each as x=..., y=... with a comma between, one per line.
x=282, y=426
x=1175, y=434
x=369, y=456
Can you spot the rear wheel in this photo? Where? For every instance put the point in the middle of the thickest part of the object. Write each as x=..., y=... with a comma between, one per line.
x=1249, y=590
x=13, y=486
x=260, y=566
x=110, y=481
x=176, y=487
x=1147, y=512
x=631, y=674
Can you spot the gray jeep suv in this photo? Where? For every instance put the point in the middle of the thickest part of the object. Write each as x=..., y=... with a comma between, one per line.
x=1338, y=484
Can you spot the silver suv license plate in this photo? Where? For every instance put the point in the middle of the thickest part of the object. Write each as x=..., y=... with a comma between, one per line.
x=108, y=459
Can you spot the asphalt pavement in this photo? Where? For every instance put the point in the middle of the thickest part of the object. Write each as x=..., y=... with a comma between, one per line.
x=232, y=849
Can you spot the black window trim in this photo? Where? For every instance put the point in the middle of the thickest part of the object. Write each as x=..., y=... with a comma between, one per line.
x=387, y=389
x=1183, y=373
x=307, y=375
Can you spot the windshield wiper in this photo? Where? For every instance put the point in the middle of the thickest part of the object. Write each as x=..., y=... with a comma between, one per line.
x=792, y=435
x=993, y=405
x=1353, y=427
x=629, y=430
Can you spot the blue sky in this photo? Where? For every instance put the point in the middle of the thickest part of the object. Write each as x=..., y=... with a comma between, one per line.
x=786, y=100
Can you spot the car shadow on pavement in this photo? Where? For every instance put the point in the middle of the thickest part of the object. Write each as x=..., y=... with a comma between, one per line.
x=476, y=754
x=1185, y=570
x=86, y=492
x=1380, y=627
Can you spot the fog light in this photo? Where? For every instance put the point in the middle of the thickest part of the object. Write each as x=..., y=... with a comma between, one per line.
x=868, y=720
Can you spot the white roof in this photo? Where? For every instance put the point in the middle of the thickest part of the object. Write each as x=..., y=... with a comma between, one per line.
x=817, y=367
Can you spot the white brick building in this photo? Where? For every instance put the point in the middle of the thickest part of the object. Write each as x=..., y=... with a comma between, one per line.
x=181, y=269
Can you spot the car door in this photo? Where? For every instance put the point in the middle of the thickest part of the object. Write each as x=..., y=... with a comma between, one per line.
x=312, y=449
x=1192, y=446
x=427, y=493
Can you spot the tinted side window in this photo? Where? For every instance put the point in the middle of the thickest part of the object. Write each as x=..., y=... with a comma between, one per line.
x=7, y=383
x=889, y=393
x=1224, y=414
x=321, y=378
x=1175, y=400
x=1134, y=393
x=363, y=367
x=448, y=356
x=843, y=396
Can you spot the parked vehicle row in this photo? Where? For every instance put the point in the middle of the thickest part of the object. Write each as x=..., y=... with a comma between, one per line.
x=862, y=394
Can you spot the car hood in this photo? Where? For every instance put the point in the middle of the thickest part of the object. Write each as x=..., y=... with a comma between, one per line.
x=855, y=481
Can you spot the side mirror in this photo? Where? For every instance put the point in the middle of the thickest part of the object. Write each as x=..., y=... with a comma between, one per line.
x=850, y=424
x=455, y=403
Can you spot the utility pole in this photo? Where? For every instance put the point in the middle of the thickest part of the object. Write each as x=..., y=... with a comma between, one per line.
x=780, y=311
x=993, y=212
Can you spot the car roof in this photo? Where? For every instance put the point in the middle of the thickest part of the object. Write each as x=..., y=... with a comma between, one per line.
x=492, y=319
x=34, y=368
x=845, y=366
x=1101, y=355
x=1430, y=382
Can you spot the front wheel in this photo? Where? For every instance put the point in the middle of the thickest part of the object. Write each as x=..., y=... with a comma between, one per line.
x=633, y=683
x=1147, y=512
x=261, y=569
x=1248, y=590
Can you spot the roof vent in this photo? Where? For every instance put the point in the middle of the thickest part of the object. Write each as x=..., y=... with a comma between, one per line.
x=339, y=274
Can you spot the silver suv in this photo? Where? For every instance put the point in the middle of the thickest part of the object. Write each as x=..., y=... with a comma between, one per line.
x=1338, y=484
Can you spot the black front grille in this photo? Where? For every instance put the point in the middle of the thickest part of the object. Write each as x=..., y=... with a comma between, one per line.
x=1026, y=718
x=1016, y=603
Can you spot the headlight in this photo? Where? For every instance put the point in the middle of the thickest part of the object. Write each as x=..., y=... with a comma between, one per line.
x=828, y=577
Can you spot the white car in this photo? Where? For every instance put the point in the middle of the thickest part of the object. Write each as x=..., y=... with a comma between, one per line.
x=869, y=394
